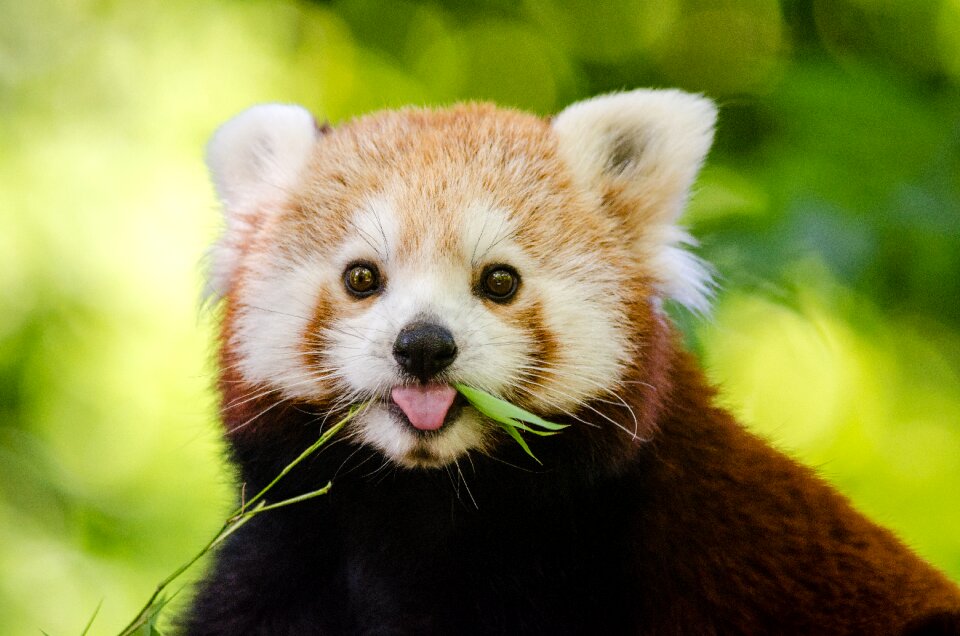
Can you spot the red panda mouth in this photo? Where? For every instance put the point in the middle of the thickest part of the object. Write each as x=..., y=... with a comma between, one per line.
x=425, y=405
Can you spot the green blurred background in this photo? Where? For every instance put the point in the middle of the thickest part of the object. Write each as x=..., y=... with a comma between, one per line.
x=830, y=207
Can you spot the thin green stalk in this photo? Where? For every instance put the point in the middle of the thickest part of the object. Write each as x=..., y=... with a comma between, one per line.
x=92, y=618
x=240, y=516
x=306, y=453
x=509, y=416
x=291, y=500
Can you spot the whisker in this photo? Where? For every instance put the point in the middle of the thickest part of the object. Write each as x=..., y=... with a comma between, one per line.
x=273, y=311
x=634, y=434
x=618, y=399
x=258, y=415
x=465, y=485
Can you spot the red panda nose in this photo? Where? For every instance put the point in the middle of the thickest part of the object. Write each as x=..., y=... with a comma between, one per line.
x=424, y=349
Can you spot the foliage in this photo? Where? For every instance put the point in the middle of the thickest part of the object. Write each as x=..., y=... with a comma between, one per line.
x=510, y=417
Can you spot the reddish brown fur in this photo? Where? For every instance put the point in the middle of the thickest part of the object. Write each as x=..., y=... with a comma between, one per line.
x=314, y=342
x=739, y=520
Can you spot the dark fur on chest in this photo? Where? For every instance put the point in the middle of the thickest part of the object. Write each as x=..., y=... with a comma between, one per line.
x=506, y=547
x=699, y=529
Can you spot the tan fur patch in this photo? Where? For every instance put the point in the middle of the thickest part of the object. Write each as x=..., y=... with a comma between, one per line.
x=314, y=343
x=544, y=345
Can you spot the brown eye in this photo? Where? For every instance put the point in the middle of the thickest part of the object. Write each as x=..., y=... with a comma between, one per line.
x=362, y=279
x=499, y=283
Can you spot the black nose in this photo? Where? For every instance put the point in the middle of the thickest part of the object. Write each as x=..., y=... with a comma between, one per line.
x=424, y=349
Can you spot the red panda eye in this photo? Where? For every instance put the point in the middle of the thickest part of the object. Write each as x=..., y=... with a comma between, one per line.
x=362, y=279
x=499, y=283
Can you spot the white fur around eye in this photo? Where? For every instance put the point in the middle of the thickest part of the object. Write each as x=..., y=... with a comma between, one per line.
x=486, y=236
x=372, y=234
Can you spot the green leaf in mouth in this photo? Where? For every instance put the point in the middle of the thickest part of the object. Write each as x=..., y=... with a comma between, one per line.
x=509, y=416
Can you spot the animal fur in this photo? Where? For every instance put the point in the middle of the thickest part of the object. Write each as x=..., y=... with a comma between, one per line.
x=653, y=513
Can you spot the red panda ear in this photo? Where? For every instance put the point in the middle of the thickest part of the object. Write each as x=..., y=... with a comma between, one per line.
x=255, y=157
x=640, y=152
x=255, y=160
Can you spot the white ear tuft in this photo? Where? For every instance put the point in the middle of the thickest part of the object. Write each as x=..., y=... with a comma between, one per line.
x=256, y=156
x=681, y=274
x=640, y=151
x=255, y=160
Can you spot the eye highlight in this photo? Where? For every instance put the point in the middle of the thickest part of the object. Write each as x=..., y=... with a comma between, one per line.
x=499, y=283
x=362, y=279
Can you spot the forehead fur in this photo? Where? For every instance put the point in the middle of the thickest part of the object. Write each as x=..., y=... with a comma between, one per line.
x=434, y=167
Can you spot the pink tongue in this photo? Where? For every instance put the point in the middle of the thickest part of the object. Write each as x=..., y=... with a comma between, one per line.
x=425, y=406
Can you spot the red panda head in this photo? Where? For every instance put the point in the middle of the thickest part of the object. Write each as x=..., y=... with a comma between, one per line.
x=389, y=258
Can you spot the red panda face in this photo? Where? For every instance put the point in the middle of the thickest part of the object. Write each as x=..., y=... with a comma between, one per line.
x=389, y=259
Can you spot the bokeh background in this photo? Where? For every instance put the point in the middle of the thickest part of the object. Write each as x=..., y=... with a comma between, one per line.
x=830, y=207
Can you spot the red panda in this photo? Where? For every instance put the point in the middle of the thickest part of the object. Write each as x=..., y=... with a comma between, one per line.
x=384, y=260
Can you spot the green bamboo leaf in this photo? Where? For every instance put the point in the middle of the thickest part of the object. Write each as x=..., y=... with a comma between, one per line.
x=509, y=416
x=522, y=426
x=498, y=409
x=515, y=434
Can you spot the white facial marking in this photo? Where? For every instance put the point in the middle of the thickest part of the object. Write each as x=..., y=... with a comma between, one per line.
x=270, y=325
x=374, y=233
x=572, y=302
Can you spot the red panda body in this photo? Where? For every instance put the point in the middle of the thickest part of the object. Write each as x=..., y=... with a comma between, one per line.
x=385, y=260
